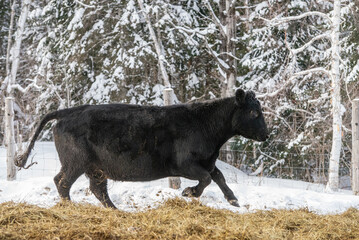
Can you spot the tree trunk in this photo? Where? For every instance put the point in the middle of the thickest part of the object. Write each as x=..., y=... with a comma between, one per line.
x=7, y=63
x=231, y=51
x=174, y=182
x=9, y=42
x=227, y=16
x=333, y=176
x=161, y=58
x=222, y=16
x=10, y=37
x=355, y=147
x=247, y=14
x=10, y=138
x=168, y=95
x=17, y=46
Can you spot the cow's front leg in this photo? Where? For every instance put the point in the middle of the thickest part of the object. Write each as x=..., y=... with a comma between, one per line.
x=218, y=178
x=197, y=173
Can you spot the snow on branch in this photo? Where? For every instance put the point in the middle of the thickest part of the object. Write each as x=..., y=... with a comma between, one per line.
x=353, y=74
x=156, y=41
x=202, y=34
x=313, y=70
x=215, y=55
x=233, y=4
x=84, y=5
x=27, y=88
x=194, y=31
x=279, y=90
x=215, y=19
x=302, y=48
x=230, y=55
x=271, y=112
x=278, y=162
x=292, y=80
x=276, y=21
x=4, y=84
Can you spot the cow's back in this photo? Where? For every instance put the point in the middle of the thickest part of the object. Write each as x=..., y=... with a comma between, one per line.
x=128, y=142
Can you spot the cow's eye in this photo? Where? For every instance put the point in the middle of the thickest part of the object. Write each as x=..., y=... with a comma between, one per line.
x=253, y=114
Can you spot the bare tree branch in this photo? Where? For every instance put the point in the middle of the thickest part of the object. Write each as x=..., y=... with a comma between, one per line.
x=279, y=117
x=215, y=19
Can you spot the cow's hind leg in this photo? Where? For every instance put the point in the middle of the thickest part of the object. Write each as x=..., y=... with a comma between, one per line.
x=98, y=186
x=64, y=180
x=218, y=178
x=197, y=172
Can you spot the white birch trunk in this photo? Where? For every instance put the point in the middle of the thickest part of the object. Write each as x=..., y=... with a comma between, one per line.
x=248, y=23
x=231, y=34
x=355, y=147
x=161, y=57
x=333, y=176
x=10, y=138
x=16, y=48
x=168, y=95
x=10, y=38
x=227, y=19
x=7, y=64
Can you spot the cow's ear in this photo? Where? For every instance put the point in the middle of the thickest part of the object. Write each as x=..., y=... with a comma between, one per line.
x=251, y=94
x=240, y=97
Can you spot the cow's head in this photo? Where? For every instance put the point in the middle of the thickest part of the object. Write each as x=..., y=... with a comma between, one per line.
x=248, y=119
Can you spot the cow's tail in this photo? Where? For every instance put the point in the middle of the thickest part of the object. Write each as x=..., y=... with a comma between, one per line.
x=21, y=160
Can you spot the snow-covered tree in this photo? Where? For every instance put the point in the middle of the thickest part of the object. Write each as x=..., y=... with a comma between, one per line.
x=89, y=52
x=298, y=52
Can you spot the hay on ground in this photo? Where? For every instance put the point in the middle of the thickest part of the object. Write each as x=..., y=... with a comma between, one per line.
x=175, y=219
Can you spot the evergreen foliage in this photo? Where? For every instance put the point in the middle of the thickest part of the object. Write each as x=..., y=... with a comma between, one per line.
x=95, y=51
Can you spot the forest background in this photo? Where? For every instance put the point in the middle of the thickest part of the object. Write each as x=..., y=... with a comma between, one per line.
x=95, y=52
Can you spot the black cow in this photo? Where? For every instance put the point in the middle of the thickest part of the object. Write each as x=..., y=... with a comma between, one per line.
x=142, y=143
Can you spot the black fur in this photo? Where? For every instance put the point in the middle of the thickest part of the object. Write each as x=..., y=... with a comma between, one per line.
x=141, y=143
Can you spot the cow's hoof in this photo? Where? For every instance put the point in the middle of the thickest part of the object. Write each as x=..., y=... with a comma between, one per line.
x=234, y=202
x=188, y=192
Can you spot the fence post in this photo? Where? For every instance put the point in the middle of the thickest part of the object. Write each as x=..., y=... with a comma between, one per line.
x=174, y=182
x=10, y=138
x=355, y=146
x=229, y=153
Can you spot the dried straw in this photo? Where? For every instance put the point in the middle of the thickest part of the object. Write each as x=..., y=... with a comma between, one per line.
x=175, y=219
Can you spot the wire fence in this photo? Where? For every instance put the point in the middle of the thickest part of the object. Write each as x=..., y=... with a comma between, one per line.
x=315, y=169
x=44, y=153
x=253, y=171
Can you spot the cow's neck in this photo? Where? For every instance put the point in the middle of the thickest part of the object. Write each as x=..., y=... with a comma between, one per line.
x=217, y=120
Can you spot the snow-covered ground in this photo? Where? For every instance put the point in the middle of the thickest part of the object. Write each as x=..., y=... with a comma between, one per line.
x=36, y=186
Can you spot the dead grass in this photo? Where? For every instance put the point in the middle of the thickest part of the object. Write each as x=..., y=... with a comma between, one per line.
x=175, y=219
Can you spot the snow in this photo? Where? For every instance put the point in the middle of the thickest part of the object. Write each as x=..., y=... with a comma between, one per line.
x=100, y=89
x=36, y=186
x=76, y=20
x=298, y=4
x=193, y=81
x=261, y=8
